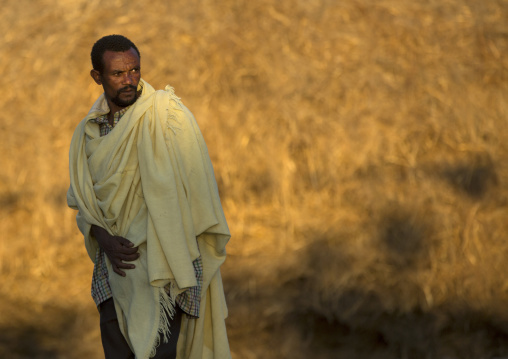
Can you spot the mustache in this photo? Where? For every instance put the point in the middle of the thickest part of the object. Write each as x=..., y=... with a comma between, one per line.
x=127, y=88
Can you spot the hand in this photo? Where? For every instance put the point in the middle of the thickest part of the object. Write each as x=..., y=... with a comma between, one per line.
x=118, y=249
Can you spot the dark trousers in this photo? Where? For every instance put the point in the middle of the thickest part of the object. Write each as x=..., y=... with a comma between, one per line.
x=116, y=347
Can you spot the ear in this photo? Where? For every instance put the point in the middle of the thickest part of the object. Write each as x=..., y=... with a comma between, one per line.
x=96, y=76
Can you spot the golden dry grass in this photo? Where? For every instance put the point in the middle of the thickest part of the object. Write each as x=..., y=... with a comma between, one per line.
x=360, y=147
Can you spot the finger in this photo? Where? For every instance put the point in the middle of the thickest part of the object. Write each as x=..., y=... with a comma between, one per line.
x=129, y=257
x=126, y=251
x=125, y=242
x=121, y=264
x=121, y=251
x=118, y=271
x=126, y=266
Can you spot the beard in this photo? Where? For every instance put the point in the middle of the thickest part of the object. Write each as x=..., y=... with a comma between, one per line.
x=124, y=103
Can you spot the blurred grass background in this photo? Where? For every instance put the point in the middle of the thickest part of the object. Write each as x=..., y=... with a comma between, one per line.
x=361, y=151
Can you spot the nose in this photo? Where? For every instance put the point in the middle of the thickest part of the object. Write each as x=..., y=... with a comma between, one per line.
x=127, y=78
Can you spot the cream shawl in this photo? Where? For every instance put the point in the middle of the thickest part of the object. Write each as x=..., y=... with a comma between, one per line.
x=151, y=181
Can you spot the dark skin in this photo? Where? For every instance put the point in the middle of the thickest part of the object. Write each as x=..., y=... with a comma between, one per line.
x=118, y=250
x=119, y=79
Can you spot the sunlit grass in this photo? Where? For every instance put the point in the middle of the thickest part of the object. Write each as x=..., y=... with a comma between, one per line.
x=360, y=149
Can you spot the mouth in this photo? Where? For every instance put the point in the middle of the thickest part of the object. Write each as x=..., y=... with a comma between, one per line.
x=127, y=91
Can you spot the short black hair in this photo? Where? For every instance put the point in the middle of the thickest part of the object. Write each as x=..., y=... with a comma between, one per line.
x=117, y=43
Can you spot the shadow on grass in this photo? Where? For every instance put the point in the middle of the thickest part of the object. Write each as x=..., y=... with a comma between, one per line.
x=473, y=176
x=50, y=332
x=27, y=341
x=441, y=333
x=302, y=311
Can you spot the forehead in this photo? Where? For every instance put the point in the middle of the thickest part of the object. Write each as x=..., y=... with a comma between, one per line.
x=125, y=60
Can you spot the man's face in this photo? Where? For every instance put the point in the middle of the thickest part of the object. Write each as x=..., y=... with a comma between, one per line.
x=120, y=78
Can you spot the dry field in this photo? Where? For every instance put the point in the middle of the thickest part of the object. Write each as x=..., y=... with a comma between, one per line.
x=360, y=147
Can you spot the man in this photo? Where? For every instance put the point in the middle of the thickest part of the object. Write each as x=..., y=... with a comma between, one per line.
x=149, y=209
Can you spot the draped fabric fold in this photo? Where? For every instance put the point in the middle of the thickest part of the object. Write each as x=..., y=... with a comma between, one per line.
x=151, y=181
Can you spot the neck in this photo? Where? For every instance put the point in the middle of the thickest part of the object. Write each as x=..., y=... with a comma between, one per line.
x=114, y=108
